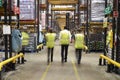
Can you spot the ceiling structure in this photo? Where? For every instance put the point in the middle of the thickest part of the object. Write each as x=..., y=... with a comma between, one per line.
x=63, y=7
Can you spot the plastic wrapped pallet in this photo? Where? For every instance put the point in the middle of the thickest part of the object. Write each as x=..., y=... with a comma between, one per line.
x=97, y=10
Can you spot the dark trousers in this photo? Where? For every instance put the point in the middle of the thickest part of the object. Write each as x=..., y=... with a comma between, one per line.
x=50, y=54
x=78, y=55
x=64, y=52
x=22, y=59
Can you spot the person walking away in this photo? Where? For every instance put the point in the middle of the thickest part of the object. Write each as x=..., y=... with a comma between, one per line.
x=109, y=40
x=72, y=36
x=50, y=42
x=110, y=44
x=16, y=42
x=65, y=38
x=25, y=42
x=79, y=45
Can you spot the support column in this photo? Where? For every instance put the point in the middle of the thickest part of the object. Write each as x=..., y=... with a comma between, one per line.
x=67, y=20
x=5, y=36
x=74, y=17
x=18, y=21
x=10, y=38
x=47, y=15
x=78, y=10
x=38, y=8
x=105, y=35
x=18, y=17
x=52, y=18
x=114, y=25
x=87, y=25
x=118, y=37
x=35, y=16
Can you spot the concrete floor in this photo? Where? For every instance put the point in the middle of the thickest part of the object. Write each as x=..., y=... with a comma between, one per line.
x=36, y=67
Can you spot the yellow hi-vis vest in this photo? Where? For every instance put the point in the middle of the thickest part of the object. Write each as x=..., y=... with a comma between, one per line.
x=110, y=39
x=25, y=39
x=79, y=41
x=50, y=38
x=65, y=38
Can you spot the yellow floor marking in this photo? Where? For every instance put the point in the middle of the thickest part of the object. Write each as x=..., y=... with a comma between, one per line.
x=75, y=70
x=45, y=72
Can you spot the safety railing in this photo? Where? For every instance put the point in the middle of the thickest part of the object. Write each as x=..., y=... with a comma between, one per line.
x=109, y=62
x=11, y=60
x=39, y=47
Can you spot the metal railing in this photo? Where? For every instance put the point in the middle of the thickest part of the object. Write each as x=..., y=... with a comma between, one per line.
x=12, y=60
x=39, y=47
x=109, y=62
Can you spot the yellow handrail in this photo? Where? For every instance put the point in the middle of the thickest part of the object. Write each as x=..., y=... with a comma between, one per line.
x=10, y=60
x=110, y=61
x=40, y=46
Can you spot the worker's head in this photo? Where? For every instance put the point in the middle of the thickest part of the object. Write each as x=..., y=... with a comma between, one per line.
x=65, y=27
x=110, y=26
x=79, y=30
x=50, y=30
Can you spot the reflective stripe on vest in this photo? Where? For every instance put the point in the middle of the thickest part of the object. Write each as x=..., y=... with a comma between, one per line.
x=79, y=41
x=64, y=38
x=50, y=40
x=25, y=38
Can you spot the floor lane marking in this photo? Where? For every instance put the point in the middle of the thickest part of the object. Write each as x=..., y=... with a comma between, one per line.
x=45, y=72
x=75, y=70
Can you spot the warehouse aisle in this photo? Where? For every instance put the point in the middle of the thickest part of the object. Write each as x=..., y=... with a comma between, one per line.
x=36, y=67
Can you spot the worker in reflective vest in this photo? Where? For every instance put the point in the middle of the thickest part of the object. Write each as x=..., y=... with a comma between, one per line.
x=79, y=45
x=50, y=42
x=25, y=39
x=25, y=42
x=109, y=40
x=65, y=38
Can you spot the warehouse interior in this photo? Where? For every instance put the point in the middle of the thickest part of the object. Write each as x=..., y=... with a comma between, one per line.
x=36, y=17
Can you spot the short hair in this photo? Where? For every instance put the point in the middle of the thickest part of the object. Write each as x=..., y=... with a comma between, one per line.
x=50, y=30
x=79, y=30
x=65, y=27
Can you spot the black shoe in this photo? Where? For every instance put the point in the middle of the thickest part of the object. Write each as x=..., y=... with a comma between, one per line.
x=25, y=60
x=18, y=62
x=62, y=61
x=78, y=62
x=51, y=60
x=65, y=60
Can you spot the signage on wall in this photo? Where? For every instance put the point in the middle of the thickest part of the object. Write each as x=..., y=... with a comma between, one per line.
x=105, y=22
x=0, y=3
x=108, y=10
x=115, y=14
x=6, y=29
x=27, y=9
